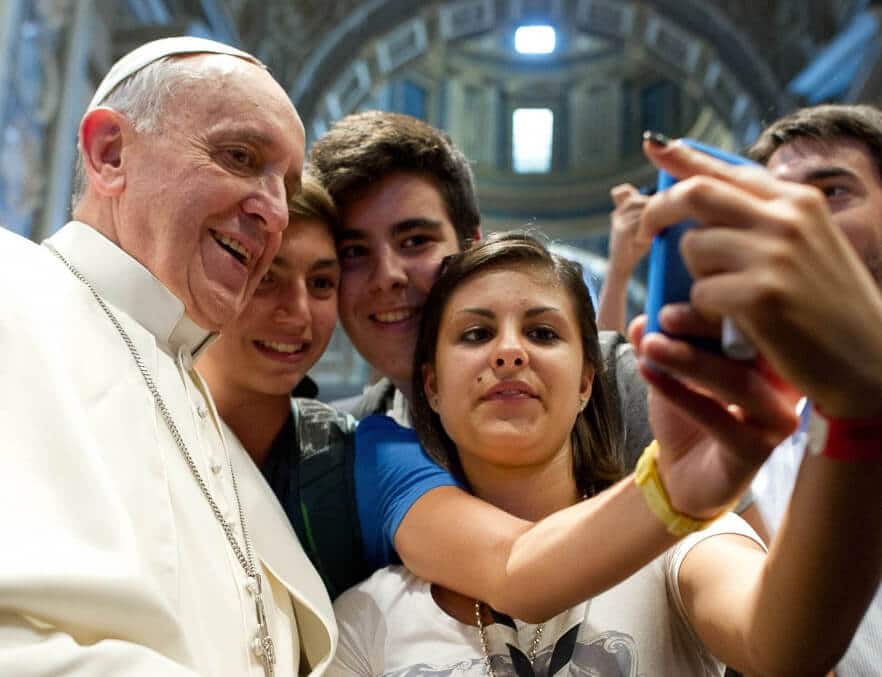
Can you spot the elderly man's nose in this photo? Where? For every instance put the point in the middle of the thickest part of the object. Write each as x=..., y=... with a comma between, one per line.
x=270, y=204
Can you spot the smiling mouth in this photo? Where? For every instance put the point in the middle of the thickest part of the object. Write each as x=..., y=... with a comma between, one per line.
x=393, y=316
x=285, y=348
x=235, y=248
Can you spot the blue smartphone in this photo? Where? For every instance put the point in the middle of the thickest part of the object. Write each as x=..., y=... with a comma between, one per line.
x=670, y=282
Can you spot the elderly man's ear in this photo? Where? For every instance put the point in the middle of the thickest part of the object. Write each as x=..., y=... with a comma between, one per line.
x=103, y=134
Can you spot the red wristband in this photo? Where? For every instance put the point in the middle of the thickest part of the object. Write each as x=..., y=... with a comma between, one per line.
x=845, y=439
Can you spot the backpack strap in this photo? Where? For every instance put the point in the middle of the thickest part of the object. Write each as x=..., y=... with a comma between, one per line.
x=328, y=517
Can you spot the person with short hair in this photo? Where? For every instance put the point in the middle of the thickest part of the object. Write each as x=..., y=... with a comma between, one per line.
x=407, y=199
x=838, y=149
x=793, y=256
x=141, y=538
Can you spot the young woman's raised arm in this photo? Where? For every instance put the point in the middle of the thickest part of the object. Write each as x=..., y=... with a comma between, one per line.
x=530, y=571
x=779, y=262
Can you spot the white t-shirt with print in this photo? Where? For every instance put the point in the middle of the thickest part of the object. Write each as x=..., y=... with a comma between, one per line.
x=391, y=626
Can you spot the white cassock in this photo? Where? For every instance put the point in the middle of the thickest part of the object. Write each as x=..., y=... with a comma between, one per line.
x=111, y=560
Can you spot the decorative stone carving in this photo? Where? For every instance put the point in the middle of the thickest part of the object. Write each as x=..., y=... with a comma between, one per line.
x=287, y=34
x=667, y=50
x=403, y=44
x=284, y=33
x=467, y=18
x=606, y=17
x=788, y=31
x=669, y=43
x=349, y=90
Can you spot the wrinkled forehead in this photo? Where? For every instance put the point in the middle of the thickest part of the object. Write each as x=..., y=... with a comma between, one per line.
x=193, y=76
x=213, y=92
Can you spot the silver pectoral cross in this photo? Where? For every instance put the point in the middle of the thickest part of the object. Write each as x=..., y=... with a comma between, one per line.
x=262, y=644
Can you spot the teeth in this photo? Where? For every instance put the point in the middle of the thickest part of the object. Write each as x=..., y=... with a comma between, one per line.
x=282, y=347
x=235, y=245
x=394, y=316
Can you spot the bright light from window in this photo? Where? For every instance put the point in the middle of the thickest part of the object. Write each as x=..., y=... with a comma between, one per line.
x=535, y=39
x=532, y=131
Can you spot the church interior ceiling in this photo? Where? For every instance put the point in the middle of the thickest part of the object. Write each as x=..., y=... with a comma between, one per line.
x=717, y=70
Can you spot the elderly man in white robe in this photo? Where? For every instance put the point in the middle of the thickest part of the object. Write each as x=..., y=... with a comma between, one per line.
x=139, y=539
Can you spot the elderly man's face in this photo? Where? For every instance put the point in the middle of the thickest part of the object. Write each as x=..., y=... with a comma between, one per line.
x=205, y=199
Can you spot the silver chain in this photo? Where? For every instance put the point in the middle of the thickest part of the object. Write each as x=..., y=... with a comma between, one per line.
x=485, y=651
x=262, y=644
x=246, y=559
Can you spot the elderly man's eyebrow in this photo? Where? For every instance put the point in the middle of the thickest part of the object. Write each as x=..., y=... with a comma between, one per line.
x=243, y=133
x=253, y=136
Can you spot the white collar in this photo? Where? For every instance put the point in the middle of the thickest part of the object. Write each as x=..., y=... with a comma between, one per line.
x=129, y=286
x=400, y=410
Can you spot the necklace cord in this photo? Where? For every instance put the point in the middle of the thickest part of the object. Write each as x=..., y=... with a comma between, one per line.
x=485, y=651
x=246, y=559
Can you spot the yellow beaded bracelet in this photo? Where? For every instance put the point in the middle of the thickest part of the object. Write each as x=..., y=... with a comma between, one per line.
x=647, y=478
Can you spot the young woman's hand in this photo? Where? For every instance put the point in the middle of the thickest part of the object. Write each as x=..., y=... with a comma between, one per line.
x=716, y=419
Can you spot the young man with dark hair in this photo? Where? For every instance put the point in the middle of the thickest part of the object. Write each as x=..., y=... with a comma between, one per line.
x=794, y=258
x=363, y=149
x=406, y=199
x=838, y=149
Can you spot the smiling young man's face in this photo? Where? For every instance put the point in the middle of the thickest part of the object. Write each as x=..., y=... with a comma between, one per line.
x=394, y=237
x=286, y=326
